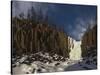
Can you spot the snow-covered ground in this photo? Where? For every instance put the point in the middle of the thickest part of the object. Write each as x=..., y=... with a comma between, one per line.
x=44, y=62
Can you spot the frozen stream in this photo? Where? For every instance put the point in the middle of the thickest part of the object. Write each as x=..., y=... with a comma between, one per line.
x=75, y=53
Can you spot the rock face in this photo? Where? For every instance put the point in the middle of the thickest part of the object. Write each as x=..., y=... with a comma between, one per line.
x=29, y=37
x=89, y=44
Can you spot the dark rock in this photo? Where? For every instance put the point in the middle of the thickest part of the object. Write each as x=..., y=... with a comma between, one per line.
x=33, y=70
x=13, y=65
x=57, y=64
x=63, y=59
x=39, y=70
x=42, y=67
x=27, y=62
x=50, y=61
x=88, y=62
x=27, y=72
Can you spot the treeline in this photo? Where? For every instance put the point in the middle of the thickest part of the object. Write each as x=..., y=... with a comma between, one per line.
x=34, y=34
x=89, y=42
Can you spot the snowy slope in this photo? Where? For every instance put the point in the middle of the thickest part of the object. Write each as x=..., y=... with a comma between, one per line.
x=43, y=62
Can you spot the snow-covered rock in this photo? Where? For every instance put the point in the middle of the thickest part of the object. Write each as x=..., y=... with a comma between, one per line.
x=43, y=62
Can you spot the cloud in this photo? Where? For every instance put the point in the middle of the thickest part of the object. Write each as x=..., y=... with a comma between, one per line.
x=81, y=27
x=23, y=7
x=20, y=7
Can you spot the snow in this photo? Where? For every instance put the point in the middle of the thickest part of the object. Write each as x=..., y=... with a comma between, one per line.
x=44, y=63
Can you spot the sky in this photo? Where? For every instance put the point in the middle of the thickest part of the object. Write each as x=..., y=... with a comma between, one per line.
x=73, y=19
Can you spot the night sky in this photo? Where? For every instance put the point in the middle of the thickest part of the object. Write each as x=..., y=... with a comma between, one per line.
x=74, y=19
